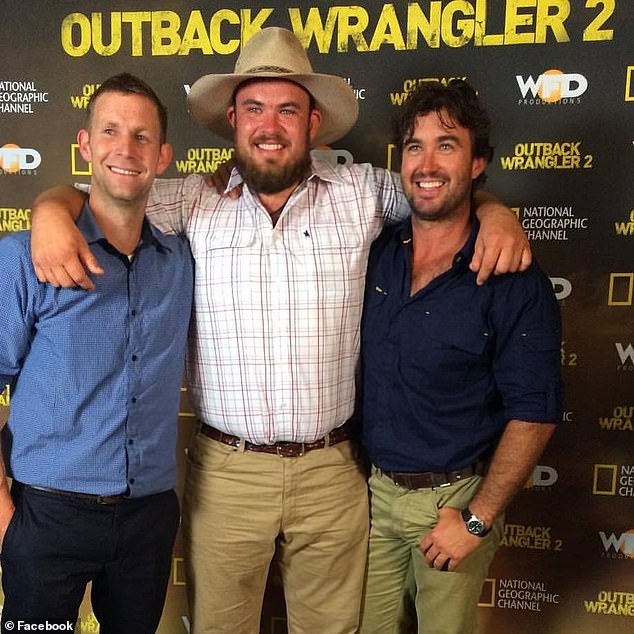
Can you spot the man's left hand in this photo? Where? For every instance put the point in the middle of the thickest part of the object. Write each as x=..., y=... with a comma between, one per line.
x=449, y=542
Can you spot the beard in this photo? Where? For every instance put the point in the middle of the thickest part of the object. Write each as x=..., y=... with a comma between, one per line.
x=271, y=178
x=459, y=193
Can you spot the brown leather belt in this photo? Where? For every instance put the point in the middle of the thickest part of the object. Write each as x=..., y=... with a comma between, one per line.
x=86, y=497
x=282, y=448
x=430, y=479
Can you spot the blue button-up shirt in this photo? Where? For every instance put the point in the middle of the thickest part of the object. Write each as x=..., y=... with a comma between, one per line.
x=95, y=376
x=444, y=370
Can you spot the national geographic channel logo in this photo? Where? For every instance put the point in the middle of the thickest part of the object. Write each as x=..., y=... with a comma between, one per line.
x=530, y=538
x=78, y=165
x=550, y=88
x=629, y=83
x=613, y=603
x=20, y=97
x=617, y=546
x=614, y=480
x=620, y=420
x=516, y=594
x=14, y=219
x=15, y=160
x=552, y=223
x=621, y=289
x=547, y=155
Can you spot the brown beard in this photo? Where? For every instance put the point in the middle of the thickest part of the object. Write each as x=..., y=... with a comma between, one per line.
x=273, y=178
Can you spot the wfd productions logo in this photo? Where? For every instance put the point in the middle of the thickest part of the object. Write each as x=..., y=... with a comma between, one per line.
x=17, y=160
x=626, y=357
x=551, y=87
x=618, y=546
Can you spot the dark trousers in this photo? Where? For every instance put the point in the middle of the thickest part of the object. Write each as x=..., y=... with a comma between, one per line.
x=55, y=545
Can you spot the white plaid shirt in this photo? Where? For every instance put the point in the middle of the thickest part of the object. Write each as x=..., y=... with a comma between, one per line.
x=274, y=340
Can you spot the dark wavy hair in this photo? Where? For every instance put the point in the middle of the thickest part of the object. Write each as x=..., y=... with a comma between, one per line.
x=460, y=103
x=126, y=83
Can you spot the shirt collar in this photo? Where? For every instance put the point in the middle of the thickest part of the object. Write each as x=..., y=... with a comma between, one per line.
x=92, y=233
x=463, y=255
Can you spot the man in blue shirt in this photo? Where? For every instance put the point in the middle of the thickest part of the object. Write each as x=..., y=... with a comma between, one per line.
x=461, y=383
x=95, y=380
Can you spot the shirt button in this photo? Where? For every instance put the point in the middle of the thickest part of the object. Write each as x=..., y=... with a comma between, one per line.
x=134, y=399
x=130, y=441
x=133, y=313
x=134, y=357
x=132, y=480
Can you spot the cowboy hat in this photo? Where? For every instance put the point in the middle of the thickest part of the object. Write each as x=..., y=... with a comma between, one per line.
x=275, y=53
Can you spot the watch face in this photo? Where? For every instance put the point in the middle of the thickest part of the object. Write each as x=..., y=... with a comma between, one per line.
x=475, y=526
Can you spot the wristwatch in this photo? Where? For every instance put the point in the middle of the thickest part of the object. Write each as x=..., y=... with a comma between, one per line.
x=473, y=523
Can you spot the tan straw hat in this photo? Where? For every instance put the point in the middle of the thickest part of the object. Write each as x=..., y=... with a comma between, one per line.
x=275, y=53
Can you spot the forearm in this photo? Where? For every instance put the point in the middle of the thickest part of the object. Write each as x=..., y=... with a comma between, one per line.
x=59, y=200
x=485, y=203
x=515, y=457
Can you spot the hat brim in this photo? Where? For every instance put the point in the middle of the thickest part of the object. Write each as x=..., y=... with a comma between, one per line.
x=211, y=95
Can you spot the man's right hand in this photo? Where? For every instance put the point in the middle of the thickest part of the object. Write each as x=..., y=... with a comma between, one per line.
x=60, y=254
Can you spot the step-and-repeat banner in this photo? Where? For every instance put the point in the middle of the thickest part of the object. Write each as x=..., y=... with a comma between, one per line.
x=558, y=79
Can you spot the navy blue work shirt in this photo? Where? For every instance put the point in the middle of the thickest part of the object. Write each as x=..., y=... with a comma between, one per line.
x=95, y=376
x=444, y=370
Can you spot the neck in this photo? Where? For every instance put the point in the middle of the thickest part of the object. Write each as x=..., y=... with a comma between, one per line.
x=274, y=202
x=121, y=225
x=434, y=245
x=434, y=238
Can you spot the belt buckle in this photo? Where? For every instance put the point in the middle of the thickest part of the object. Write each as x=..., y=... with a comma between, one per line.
x=285, y=449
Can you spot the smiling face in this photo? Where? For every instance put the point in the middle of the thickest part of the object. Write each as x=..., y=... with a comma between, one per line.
x=274, y=125
x=438, y=167
x=124, y=142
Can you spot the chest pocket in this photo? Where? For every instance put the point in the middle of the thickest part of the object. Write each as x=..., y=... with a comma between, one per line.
x=221, y=239
x=341, y=237
x=454, y=346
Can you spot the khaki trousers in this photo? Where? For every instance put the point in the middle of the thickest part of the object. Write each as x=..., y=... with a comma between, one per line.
x=446, y=602
x=238, y=505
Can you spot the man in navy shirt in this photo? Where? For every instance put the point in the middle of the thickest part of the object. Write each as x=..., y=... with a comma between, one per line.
x=95, y=378
x=461, y=383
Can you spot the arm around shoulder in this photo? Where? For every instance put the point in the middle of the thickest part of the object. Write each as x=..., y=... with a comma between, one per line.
x=502, y=245
x=60, y=253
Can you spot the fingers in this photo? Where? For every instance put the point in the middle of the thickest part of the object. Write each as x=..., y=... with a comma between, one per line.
x=506, y=260
x=527, y=258
x=437, y=559
x=90, y=261
x=69, y=275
